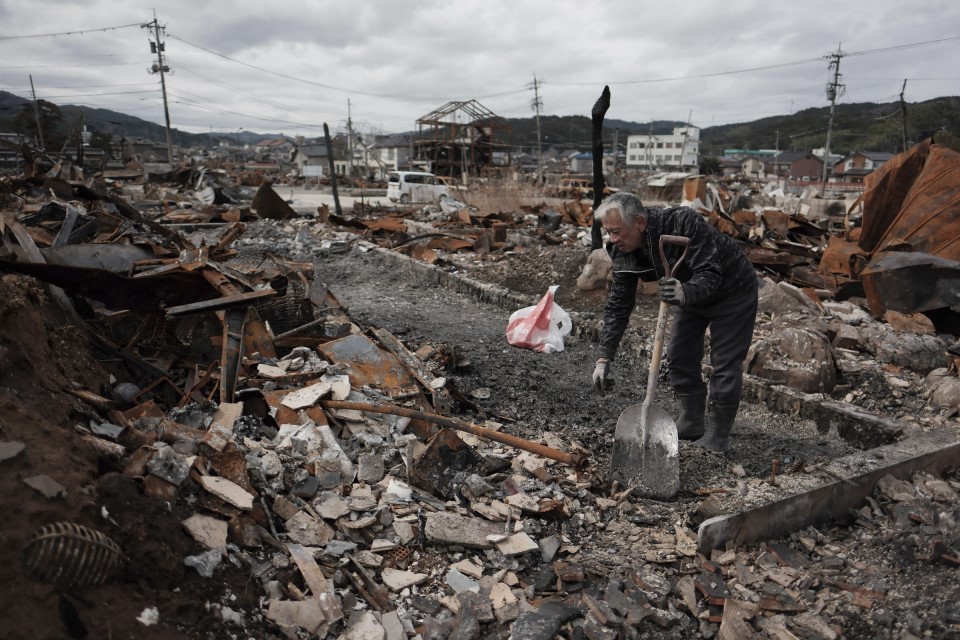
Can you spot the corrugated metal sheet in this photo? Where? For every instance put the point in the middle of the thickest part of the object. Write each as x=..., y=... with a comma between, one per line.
x=915, y=199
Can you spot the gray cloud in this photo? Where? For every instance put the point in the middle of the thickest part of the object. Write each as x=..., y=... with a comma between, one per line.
x=395, y=61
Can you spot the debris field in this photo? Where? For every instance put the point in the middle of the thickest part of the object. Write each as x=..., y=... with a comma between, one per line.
x=226, y=417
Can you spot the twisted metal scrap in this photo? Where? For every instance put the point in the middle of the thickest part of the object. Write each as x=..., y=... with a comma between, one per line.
x=71, y=555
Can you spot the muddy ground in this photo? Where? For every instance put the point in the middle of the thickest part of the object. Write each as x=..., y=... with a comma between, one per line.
x=528, y=392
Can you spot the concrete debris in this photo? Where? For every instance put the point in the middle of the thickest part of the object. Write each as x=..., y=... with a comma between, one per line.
x=411, y=522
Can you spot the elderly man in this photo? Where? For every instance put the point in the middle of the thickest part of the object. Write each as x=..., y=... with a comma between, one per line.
x=715, y=287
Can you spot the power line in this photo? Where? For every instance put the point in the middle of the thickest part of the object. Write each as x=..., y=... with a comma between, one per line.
x=865, y=52
x=71, y=33
x=331, y=87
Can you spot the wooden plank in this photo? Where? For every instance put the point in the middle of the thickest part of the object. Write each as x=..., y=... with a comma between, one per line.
x=927, y=452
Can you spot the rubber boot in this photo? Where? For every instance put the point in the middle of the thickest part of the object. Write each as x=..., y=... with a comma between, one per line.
x=719, y=422
x=690, y=423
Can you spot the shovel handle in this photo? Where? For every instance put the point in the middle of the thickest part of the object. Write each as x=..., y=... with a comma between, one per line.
x=679, y=241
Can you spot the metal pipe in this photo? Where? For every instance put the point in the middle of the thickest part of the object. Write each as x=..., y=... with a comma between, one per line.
x=575, y=460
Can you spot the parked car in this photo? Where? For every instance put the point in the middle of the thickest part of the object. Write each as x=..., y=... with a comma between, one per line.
x=414, y=186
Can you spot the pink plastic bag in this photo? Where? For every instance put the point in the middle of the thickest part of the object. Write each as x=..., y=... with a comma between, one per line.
x=540, y=327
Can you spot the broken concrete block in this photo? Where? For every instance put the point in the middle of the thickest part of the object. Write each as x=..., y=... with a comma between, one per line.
x=776, y=301
x=307, y=396
x=549, y=547
x=10, y=450
x=516, y=544
x=596, y=272
x=47, y=486
x=304, y=529
x=946, y=394
x=392, y=626
x=364, y=627
x=289, y=614
x=847, y=337
x=361, y=498
x=339, y=385
x=405, y=532
x=336, y=548
x=795, y=357
x=504, y=603
x=207, y=562
x=398, y=580
x=450, y=528
x=918, y=352
x=208, y=531
x=227, y=491
x=169, y=465
x=469, y=568
x=284, y=508
x=370, y=468
x=330, y=506
x=478, y=605
x=459, y=582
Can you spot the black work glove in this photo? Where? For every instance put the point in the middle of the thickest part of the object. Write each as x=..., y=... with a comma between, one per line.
x=671, y=291
x=601, y=377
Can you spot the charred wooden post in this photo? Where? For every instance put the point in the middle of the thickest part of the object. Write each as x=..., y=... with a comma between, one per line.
x=599, y=111
x=333, y=172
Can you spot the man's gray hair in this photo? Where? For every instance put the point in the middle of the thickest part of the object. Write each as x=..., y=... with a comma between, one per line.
x=629, y=206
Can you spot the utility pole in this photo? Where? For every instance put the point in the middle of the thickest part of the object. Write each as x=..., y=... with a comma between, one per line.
x=537, y=104
x=36, y=113
x=832, y=89
x=776, y=155
x=158, y=48
x=349, y=141
x=686, y=133
x=903, y=114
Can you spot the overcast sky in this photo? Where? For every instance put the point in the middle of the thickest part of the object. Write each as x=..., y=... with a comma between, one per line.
x=288, y=67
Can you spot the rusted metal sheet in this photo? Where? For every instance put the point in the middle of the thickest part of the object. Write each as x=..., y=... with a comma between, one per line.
x=911, y=282
x=915, y=199
x=777, y=260
x=268, y=204
x=386, y=224
x=371, y=365
x=844, y=258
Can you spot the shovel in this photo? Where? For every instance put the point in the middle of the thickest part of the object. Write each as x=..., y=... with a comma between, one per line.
x=645, y=448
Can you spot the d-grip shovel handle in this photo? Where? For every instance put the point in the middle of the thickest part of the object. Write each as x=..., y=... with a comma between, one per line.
x=680, y=241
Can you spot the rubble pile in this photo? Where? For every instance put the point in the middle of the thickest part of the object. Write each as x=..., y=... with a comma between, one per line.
x=325, y=478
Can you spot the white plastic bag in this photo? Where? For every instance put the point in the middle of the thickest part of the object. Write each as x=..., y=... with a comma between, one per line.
x=540, y=327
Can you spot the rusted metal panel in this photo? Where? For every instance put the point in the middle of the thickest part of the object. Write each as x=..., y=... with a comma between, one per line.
x=911, y=282
x=843, y=258
x=929, y=219
x=915, y=199
x=371, y=365
x=269, y=204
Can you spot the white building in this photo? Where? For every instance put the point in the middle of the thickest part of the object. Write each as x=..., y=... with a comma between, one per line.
x=679, y=150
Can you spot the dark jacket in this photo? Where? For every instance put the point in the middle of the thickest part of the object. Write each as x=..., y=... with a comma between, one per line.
x=715, y=267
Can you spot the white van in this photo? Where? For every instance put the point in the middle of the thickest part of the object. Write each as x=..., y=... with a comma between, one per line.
x=414, y=186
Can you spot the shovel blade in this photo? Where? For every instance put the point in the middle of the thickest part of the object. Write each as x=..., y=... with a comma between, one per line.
x=646, y=452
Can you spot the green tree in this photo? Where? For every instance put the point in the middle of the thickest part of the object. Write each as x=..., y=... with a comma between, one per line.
x=710, y=166
x=25, y=123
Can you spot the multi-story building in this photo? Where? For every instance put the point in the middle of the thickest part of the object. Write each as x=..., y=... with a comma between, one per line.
x=679, y=150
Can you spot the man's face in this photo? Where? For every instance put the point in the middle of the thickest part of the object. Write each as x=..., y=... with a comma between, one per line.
x=626, y=237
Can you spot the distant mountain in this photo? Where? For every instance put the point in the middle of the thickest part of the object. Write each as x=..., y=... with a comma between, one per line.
x=856, y=127
x=863, y=126
x=114, y=122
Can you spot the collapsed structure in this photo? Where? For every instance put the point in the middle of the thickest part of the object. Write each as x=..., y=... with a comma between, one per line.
x=327, y=460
